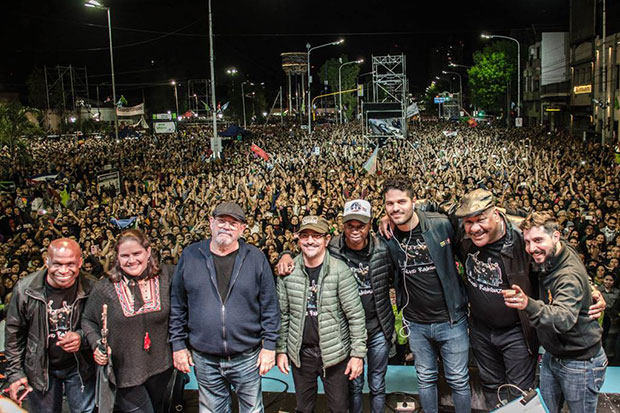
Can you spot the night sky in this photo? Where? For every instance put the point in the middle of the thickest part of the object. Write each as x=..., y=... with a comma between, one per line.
x=159, y=40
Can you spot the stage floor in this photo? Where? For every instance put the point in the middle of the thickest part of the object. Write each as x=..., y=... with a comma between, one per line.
x=399, y=379
x=278, y=391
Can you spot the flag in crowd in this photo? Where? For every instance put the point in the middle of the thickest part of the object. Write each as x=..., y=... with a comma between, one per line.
x=371, y=164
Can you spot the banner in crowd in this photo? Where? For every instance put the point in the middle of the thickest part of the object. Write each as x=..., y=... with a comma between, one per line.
x=162, y=116
x=412, y=110
x=389, y=126
x=164, y=127
x=109, y=179
x=131, y=110
x=449, y=134
x=8, y=186
x=371, y=164
x=124, y=223
x=41, y=178
x=259, y=151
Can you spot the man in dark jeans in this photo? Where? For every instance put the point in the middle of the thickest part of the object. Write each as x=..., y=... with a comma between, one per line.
x=492, y=251
x=371, y=264
x=323, y=329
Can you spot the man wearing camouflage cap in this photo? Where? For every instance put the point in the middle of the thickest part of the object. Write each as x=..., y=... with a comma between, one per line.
x=492, y=251
x=323, y=329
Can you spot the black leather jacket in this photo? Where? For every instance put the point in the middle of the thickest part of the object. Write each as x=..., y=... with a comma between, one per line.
x=382, y=270
x=27, y=331
x=517, y=264
x=438, y=234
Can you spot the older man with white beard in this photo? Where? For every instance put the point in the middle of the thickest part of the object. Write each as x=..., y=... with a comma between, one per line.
x=224, y=315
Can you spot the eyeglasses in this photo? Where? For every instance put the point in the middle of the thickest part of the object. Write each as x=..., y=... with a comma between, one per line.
x=222, y=223
x=306, y=235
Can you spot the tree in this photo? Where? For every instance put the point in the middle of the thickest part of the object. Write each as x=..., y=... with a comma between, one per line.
x=494, y=67
x=15, y=128
x=429, y=98
x=349, y=73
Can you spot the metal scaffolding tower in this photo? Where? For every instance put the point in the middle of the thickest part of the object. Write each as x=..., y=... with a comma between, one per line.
x=389, y=79
x=66, y=87
x=389, y=84
x=198, y=94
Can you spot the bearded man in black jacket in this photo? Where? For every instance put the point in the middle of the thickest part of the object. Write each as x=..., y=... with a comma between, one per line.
x=573, y=368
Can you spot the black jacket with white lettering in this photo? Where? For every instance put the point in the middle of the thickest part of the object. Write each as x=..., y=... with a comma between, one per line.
x=381, y=273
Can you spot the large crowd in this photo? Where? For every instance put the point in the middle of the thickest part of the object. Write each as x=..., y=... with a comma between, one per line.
x=169, y=185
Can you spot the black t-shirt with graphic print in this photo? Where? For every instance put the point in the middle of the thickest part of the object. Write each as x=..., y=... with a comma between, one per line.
x=60, y=303
x=311, y=324
x=358, y=262
x=486, y=278
x=426, y=302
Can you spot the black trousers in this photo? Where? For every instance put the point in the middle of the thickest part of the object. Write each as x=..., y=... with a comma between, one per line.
x=149, y=397
x=335, y=382
x=502, y=358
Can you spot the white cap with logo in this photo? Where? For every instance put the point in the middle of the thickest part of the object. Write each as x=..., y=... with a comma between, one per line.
x=358, y=209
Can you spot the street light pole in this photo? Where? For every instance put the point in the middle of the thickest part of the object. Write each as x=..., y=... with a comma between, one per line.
x=243, y=102
x=310, y=49
x=212, y=68
x=445, y=72
x=176, y=97
x=491, y=36
x=340, y=84
x=96, y=5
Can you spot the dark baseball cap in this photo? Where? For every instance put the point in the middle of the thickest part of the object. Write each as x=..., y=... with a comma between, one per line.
x=231, y=209
x=475, y=203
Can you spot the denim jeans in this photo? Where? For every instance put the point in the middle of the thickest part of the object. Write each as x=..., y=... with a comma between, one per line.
x=577, y=382
x=452, y=342
x=216, y=375
x=377, y=359
x=81, y=400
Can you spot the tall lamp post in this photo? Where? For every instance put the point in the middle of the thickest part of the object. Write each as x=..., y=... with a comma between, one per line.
x=491, y=36
x=445, y=72
x=176, y=97
x=359, y=61
x=96, y=5
x=243, y=102
x=310, y=49
x=232, y=72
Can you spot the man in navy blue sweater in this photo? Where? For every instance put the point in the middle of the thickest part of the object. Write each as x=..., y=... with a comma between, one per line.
x=224, y=315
